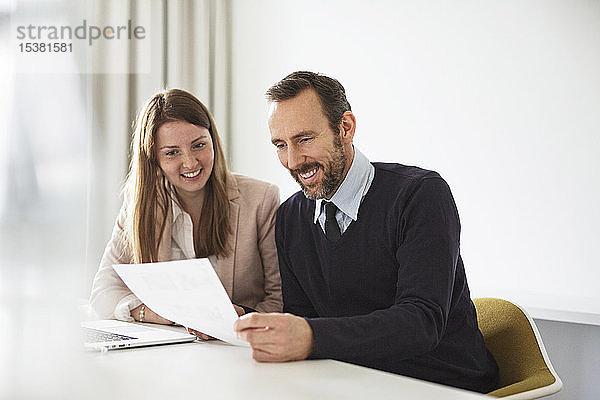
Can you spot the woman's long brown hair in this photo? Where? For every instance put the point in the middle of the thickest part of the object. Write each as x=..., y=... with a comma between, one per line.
x=148, y=193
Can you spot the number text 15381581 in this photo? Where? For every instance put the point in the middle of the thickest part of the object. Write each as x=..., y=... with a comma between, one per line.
x=43, y=47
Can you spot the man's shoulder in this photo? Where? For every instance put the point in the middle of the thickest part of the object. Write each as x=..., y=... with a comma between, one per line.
x=402, y=183
x=394, y=179
x=402, y=172
x=296, y=203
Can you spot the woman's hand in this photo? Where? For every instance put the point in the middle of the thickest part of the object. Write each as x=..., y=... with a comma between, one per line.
x=239, y=310
x=149, y=316
x=203, y=336
x=199, y=335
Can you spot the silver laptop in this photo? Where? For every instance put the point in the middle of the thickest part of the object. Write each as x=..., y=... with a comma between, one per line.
x=111, y=334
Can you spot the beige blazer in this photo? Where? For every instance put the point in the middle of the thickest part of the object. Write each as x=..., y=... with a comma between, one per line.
x=250, y=274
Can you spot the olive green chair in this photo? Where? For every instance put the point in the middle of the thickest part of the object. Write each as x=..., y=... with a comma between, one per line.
x=525, y=371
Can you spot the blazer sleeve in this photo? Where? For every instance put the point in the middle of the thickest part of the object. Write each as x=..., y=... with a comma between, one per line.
x=414, y=324
x=108, y=290
x=272, y=301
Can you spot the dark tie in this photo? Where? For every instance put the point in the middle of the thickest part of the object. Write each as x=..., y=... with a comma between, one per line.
x=332, y=229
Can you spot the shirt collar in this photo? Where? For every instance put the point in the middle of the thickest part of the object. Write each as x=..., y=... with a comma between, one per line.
x=348, y=196
x=177, y=208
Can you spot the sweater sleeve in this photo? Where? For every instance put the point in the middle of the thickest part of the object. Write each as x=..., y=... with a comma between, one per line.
x=268, y=252
x=426, y=256
x=295, y=300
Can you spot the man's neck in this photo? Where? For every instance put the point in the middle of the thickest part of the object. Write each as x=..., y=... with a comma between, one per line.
x=349, y=161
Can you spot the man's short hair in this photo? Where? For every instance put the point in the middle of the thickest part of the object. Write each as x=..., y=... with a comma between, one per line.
x=331, y=93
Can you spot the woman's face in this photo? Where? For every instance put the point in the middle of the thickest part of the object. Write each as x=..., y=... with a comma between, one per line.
x=185, y=155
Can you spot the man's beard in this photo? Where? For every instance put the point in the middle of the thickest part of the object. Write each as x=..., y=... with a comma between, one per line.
x=333, y=173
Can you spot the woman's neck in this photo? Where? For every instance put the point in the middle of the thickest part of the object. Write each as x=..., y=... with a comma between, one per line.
x=192, y=203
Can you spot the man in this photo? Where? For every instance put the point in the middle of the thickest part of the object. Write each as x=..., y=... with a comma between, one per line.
x=369, y=253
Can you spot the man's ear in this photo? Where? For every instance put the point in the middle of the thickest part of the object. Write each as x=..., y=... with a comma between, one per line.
x=347, y=127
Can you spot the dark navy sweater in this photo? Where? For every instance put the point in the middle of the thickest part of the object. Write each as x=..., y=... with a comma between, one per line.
x=391, y=293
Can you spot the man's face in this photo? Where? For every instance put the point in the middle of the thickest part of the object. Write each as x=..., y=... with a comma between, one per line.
x=306, y=145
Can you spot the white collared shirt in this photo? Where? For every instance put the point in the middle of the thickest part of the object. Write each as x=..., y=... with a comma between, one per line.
x=182, y=234
x=349, y=195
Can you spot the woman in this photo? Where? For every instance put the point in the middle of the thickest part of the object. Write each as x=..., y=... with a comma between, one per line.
x=181, y=202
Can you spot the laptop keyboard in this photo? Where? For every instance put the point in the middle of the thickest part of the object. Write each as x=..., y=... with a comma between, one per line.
x=95, y=336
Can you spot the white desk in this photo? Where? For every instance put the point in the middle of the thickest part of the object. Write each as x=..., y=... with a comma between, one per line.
x=215, y=370
x=31, y=369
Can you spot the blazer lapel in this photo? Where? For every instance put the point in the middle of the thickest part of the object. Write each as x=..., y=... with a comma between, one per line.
x=226, y=265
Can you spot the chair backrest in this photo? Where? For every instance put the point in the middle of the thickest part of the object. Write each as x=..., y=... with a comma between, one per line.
x=525, y=371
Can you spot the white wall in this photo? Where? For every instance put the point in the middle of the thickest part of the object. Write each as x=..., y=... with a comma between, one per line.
x=501, y=98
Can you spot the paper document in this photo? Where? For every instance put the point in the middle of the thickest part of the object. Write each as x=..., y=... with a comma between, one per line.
x=187, y=292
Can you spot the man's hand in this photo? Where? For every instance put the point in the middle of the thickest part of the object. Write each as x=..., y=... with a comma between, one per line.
x=276, y=337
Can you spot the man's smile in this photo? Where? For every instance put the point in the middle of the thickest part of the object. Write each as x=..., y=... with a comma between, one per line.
x=309, y=173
